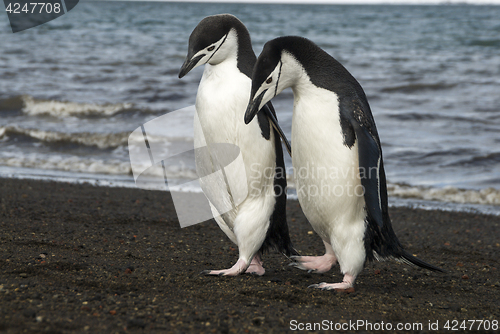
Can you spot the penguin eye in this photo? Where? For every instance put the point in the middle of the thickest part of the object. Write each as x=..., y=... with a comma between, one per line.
x=269, y=80
x=211, y=48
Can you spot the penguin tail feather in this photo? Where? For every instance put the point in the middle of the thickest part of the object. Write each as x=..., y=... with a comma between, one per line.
x=286, y=249
x=415, y=261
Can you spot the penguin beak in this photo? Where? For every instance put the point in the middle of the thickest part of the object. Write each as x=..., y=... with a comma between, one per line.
x=253, y=107
x=189, y=64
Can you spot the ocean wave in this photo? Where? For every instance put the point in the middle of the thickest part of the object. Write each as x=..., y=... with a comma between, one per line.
x=177, y=173
x=100, y=140
x=94, y=166
x=422, y=116
x=485, y=42
x=35, y=107
x=490, y=159
x=416, y=87
x=488, y=196
x=69, y=164
x=11, y=104
x=414, y=116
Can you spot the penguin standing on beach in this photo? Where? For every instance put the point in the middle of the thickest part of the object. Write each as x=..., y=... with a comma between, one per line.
x=336, y=155
x=222, y=43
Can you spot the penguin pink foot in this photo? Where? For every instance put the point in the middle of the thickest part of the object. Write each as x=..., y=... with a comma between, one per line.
x=314, y=264
x=347, y=283
x=239, y=267
x=255, y=267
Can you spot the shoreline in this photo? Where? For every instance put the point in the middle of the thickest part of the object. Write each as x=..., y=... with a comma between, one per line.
x=80, y=258
x=120, y=181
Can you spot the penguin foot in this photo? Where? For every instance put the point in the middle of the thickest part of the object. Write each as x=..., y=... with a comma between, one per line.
x=347, y=283
x=238, y=268
x=314, y=264
x=331, y=286
x=255, y=267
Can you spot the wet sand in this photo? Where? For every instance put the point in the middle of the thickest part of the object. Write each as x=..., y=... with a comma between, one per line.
x=84, y=259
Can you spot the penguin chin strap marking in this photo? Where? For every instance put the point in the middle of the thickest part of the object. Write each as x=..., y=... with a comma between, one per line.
x=278, y=80
x=217, y=48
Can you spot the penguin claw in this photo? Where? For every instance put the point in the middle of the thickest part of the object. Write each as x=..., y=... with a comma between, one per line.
x=333, y=286
x=346, y=285
x=294, y=264
x=255, y=267
x=209, y=273
x=220, y=273
x=317, y=286
x=299, y=266
x=338, y=286
x=238, y=268
x=256, y=272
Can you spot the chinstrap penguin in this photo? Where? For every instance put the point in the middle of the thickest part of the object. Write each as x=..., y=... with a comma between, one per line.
x=222, y=43
x=333, y=130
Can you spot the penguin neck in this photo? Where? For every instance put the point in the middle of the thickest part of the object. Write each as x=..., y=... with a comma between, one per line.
x=321, y=69
x=236, y=52
x=227, y=51
x=313, y=100
x=302, y=86
x=222, y=71
x=245, y=56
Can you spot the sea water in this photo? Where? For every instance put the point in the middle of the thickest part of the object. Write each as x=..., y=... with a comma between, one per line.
x=72, y=90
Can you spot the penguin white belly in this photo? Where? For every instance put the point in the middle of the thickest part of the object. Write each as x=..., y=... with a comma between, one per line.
x=220, y=104
x=327, y=176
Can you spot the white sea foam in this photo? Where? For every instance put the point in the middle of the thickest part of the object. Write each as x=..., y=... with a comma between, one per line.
x=91, y=165
x=101, y=140
x=488, y=196
x=72, y=164
x=54, y=108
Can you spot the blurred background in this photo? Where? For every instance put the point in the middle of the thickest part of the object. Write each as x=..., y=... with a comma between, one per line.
x=72, y=90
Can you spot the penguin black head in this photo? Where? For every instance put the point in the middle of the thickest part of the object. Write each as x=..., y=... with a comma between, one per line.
x=268, y=78
x=213, y=40
x=285, y=60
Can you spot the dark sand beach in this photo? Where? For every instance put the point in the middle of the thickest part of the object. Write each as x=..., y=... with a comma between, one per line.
x=76, y=258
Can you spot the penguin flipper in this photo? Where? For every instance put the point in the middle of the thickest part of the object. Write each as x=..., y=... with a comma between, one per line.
x=278, y=236
x=271, y=114
x=370, y=158
x=373, y=180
